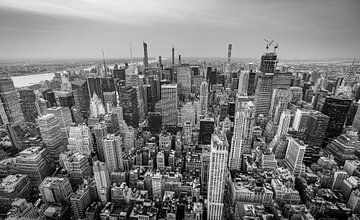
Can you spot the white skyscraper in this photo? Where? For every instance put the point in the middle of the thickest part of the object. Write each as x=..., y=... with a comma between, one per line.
x=217, y=172
x=283, y=128
x=80, y=139
x=102, y=179
x=243, y=82
x=242, y=137
x=112, y=146
x=96, y=107
x=279, y=102
x=294, y=156
x=169, y=103
x=204, y=93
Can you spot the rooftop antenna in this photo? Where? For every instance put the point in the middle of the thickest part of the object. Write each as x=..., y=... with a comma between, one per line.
x=131, y=54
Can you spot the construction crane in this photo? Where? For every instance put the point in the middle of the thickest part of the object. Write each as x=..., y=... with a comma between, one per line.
x=276, y=47
x=268, y=44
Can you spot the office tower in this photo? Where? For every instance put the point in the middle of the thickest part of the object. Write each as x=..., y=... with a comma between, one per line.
x=268, y=63
x=283, y=128
x=129, y=103
x=344, y=146
x=160, y=160
x=76, y=164
x=65, y=99
x=188, y=113
x=102, y=179
x=146, y=59
x=100, y=131
x=81, y=95
x=112, y=146
x=51, y=134
x=132, y=75
x=28, y=105
x=184, y=80
x=10, y=110
x=34, y=162
x=80, y=200
x=356, y=121
x=110, y=101
x=263, y=93
x=243, y=83
x=282, y=80
x=96, y=107
x=294, y=156
x=217, y=172
x=169, y=103
x=49, y=96
x=352, y=113
x=206, y=130
x=337, y=109
x=155, y=121
x=94, y=87
x=55, y=190
x=111, y=123
x=296, y=94
x=242, y=136
x=252, y=83
x=12, y=187
x=63, y=115
x=204, y=93
x=279, y=102
x=80, y=139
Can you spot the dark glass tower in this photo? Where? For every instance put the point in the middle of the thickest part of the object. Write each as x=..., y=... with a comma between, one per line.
x=206, y=130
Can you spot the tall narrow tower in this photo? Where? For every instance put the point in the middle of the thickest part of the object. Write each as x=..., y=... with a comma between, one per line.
x=217, y=172
x=229, y=53
x=146, y=59
x=204, y=92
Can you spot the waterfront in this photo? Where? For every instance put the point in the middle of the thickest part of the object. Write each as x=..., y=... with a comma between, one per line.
x=28, y=80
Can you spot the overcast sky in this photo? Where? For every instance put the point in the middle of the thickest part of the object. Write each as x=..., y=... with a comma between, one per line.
x=80, y=28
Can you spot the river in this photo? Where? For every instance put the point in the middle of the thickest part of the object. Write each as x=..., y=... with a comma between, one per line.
x=28, y=80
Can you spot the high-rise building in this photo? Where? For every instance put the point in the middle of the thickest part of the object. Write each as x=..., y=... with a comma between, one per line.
x=34, y=162
x=55, y=190
x=129, y=101
x=337, y=109
x=80, y=139
x=94, y=87
x=10, y=110
x=112, y=146
x=102, y=179
x=63, y=114
x=81, y=95
x=28, y=105
x=76, y=164
x=12, y=187
x=242, y=137
x=217, y=172
x=263, y=93
x=268, y=63
x=49, y=96
x=204, y=93
x=356, y=121
x=110, y=101
x=184, y=80
x=279, y=102
x=96, y=107
x=243, y=83
x=80, y=200
x=206, y=130
x=100, y=131
x=283, y=128
x=51, y=134
x=296, y=94
x=169, y=103
x=294, y=156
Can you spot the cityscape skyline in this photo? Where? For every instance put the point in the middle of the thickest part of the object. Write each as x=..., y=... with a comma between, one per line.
x=50, y=29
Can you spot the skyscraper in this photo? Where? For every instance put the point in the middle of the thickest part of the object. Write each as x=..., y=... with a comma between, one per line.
x=129, y=101
x=263, y=93
x=169, y=103
x=217, y=172
x=51, y=134
x=102, y=179
x=28, y=105
x=77, y=165
x=337, y=109
x=283, y=128
x=184, y=80
x=206, y=130
x=279, y=102
x=96, y=107
x=10, y=110
x=204, y=93
x=294, y=156
x=112, y=146
x=55, y=190
x=80, y=200
x=100, y=131
x=63, y=115
x=243, y=83
x=80, y=139
x=81, y=95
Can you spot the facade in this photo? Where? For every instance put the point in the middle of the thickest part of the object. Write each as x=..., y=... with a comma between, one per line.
x=10, y=109
x=206, y=130
x=76, y=164
x=102, y=179
x=55, y=190
x=112, y=146
x=204, y=94
x=80, y=200
x=263, y=93
x=80, y=139
x=96, y=107
x=184, y=80
x=63, y=114
x=28, y=104
x=169, y=103
x=216, y=182
x=294, y=156
x=279, y=102
x=81, y=95
x=128, y=100
x=51, y=134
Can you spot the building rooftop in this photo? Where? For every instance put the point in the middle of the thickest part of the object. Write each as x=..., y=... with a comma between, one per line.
x=10, y=182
